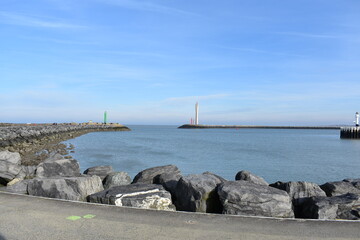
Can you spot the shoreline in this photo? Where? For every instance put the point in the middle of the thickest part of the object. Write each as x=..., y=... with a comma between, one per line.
x=201, y=126
x=166, y=188
x=35, y=142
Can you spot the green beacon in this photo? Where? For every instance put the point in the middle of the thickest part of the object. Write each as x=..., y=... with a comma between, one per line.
x=105, y=117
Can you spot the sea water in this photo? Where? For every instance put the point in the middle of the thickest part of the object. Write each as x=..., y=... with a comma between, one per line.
x=274, y=154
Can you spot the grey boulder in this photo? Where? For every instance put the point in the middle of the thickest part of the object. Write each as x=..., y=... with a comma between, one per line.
x=58, y=168
x=71, y=188
x=248, y=176
x=196, y=193
x=29, y=171
x=346, y=206
x=146, y=196
x=116, y=179
x=341, y=187
x=10, y=166
x=101, y=171
x=299, y=192
x=19, y=187
x=247, y=198
x=148, y=175
x=168, y=181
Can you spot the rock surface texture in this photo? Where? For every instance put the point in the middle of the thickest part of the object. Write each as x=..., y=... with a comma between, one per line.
x=196, y=193
x=148, y=175
x=19, y=187
x=169, y=182
x=101, y=171
x=299, y=192
x=72, y=188
x=346, y=206
x=58, y=168
x=247, y=198
x=116, y=179
x=248, y=176
x=147, y=196
x=10, y=166
x=341, y=187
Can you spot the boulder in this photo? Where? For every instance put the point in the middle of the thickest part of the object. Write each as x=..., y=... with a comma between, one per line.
x=116, y=179
x=148, y=175
x=146, y=196
x=53, y=156
x=58, y=168
x=247, y=198
x=341, y=187
x=19, y=187
x=196, y=193
x=69, y=188
x=248, y=176
x=168, y=181
x=299, y=192
x=345, y=206
x=29, y=171
x=101, y=171
x=10, y=166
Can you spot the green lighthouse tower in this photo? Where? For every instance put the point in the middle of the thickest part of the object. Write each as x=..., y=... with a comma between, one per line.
x=105, y=117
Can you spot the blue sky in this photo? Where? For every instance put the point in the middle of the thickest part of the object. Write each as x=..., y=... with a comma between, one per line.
x=148, y=62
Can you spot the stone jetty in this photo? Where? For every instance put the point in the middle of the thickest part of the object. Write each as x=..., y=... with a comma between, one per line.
x=35, y=142
x=193, y=126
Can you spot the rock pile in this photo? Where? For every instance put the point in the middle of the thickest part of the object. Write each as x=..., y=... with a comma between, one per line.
x=36, y=142
x=164, y=188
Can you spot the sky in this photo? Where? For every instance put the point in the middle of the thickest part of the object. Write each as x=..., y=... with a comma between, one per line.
x=269, y=62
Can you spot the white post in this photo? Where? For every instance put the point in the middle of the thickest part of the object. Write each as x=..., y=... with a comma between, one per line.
x=196, y=113
x=356, y=119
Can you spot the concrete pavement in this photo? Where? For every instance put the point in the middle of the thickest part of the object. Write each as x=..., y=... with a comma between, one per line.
x=27, y=217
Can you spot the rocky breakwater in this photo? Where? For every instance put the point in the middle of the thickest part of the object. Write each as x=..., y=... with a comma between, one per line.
x=35, y=143
x=165, y=188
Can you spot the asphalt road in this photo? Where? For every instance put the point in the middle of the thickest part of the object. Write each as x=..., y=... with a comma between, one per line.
x=26, y=217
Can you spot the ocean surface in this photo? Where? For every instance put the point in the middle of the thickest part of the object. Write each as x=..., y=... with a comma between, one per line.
x=275, y=154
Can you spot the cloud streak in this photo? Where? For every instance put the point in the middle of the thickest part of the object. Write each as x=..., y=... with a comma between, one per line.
x=309, y=35
x=259, y=51
x=148, y=6
x=30, y=21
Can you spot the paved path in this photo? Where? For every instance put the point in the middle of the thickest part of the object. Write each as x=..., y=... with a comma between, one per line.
x=26, y=217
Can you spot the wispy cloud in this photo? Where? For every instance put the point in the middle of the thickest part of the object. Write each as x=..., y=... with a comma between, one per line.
x=259, y=51
x=147, y=6
x=31, y=21
x=60, y=41
x=309, y=35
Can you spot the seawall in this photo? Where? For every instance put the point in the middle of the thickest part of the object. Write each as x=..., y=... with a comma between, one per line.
x=192, y=126
x=29, y=139
x=350, y=132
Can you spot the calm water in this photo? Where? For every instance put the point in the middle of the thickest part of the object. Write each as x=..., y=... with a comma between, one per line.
x=275, y=154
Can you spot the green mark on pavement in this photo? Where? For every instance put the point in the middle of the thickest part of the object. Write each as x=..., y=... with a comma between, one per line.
x=73, y=218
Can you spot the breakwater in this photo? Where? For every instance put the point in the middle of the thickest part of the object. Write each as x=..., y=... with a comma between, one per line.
x=350, y=132
x=191, y=126
x=165, y=188
x=29, y=139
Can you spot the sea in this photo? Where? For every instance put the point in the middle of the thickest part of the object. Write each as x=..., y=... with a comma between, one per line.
x=311, y=155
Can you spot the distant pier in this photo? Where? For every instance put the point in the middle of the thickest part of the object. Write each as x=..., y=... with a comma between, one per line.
x=350, y=132
x=191, y=126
